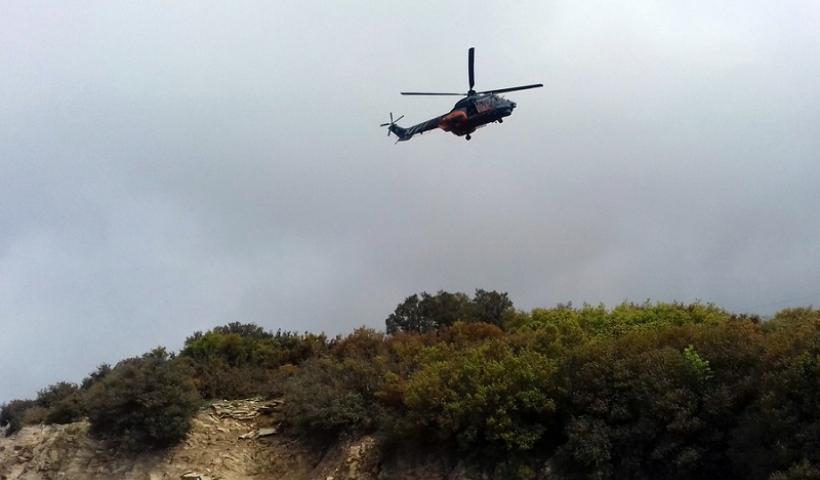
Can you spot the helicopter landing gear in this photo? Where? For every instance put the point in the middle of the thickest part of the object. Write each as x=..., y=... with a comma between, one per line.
x=500, y=120
x=468, y=137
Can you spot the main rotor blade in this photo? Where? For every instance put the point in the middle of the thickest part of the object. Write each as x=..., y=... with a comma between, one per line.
x=512, y=89
x=433, y=93
x=470, y=65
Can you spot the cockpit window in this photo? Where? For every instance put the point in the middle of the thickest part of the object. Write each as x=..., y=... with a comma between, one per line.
x=484, y=104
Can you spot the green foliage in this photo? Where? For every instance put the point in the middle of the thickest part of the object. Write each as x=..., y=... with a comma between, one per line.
x=629, y=316
x=95, y=376
x=62, y=403
x=327, y=396
x=638, y=391
x=784, y=422
x=427, y=313
x=485, y=397
x=57, y=403
x=553, y=332
x=144, y=402
x=243, y=330
x=799, y=471
x=699, y=366
x=491, y=306
x=242, y=360
x=639, y=414
x=12, y=414
x=643, y=405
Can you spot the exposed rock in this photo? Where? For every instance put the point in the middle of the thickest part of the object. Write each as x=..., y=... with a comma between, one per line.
x=262, y=432
x=195, y=476
x=228, y=440
x=265, y=432
x=211, y=451
x=245, y=409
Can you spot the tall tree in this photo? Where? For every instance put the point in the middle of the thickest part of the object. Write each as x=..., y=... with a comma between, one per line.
x=491, y=306
x=427, y=312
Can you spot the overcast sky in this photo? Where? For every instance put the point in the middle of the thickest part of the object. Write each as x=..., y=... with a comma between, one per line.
x=166, y=167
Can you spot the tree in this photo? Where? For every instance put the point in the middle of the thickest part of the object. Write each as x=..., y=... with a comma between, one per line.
x=491, y=306
x=428, y=312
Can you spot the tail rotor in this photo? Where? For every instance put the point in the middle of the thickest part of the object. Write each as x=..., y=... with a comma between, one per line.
x=391, y=123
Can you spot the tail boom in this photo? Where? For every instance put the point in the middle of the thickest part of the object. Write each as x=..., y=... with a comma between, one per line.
x=401, y=133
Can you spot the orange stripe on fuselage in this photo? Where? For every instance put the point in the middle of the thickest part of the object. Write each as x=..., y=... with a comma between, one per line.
x=452, y=120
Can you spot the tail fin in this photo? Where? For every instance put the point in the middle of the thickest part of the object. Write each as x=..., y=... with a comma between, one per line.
x=400, y=132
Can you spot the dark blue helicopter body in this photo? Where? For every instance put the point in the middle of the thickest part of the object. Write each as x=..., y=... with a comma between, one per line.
x=468, y=114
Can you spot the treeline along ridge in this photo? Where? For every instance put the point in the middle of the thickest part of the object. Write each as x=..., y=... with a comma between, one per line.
x=638, y=391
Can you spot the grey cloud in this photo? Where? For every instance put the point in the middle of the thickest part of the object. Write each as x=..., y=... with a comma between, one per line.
x=166, y=168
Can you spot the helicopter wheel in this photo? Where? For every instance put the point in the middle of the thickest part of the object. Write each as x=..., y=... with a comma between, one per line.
x=500, y=120
x=468, y=137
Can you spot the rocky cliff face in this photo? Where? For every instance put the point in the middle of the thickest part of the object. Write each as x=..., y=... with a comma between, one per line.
x=234, y=440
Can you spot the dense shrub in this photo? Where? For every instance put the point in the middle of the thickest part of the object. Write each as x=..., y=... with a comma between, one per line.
x=327, y=396
x=144, y=401
x=798, y=471
x=57, y=403
x=638, y=391
x=782, y=428
x=486, y=398
x=61, y=403
x=95, y=376
x=12, y=414
x=339, y=391
x=647, y=390
x=638, y=414
x=242, y=360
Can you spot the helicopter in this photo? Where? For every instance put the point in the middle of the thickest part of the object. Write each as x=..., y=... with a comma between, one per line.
x=476, y=110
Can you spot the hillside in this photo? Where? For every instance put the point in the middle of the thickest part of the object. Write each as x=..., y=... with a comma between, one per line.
x=228, y=440
x=457, y=387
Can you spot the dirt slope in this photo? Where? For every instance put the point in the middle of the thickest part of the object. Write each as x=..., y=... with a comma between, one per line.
x=224, y=443
x=235, y=440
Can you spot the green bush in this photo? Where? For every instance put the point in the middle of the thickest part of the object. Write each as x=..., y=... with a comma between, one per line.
x=327, y=396
x=242, y=360
x=485, y=398
x=144, y=402
x=639, y=391
x=782, y=428
x=62, y=403
x=798, y=471
x=660, y=403
x=12, y=414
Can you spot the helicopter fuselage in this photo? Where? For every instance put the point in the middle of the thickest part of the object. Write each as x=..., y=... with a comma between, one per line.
x=475, y=111
x=468, y=114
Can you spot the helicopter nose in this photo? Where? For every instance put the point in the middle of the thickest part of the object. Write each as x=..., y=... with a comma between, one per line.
x=510, y=108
